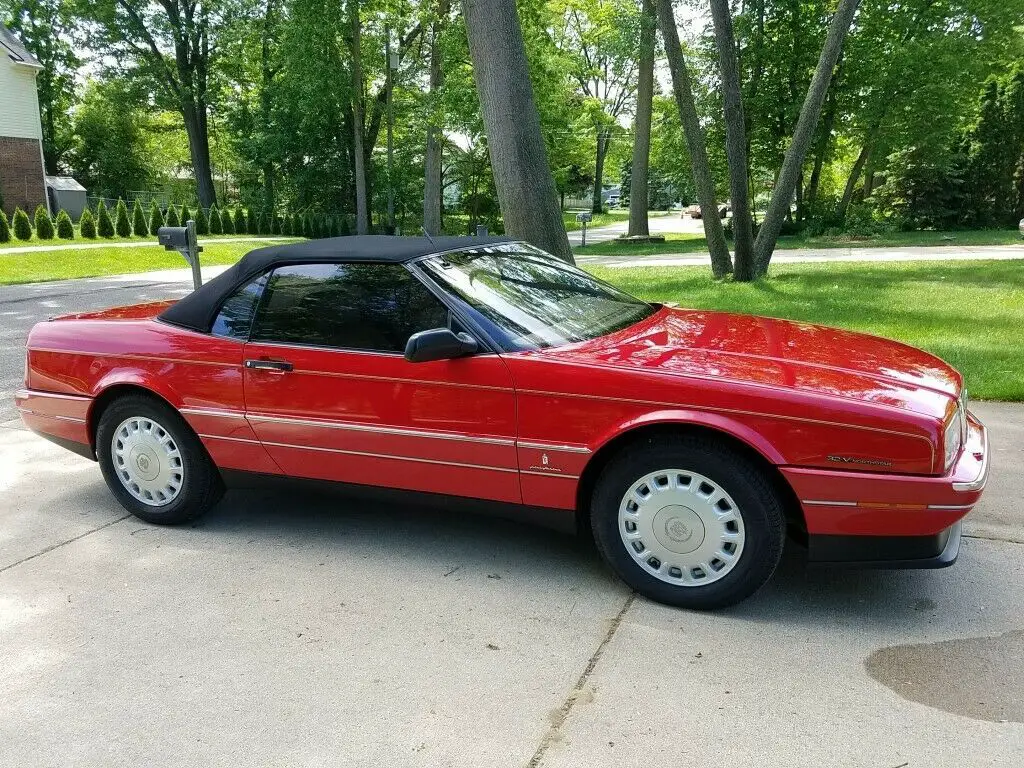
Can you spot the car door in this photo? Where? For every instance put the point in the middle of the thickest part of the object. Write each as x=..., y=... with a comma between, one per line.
x=331, y=396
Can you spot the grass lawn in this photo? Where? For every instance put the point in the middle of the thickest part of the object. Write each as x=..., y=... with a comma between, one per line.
x=604, y=219
x=95, y=262
x=690, y=242
x=971, y=314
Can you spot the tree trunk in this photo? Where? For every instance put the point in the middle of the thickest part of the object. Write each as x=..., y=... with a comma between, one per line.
x=721, y=263
x=778, y=206
x=432, y=159
x=522, y=176
x=362, y=210
x=851, y=182
x=597, y=201
x=735, y=142
x=194, y=117
x=639, y=174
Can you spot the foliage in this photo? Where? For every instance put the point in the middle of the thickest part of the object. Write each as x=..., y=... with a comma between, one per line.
x=104, y=226
x=216, y=227
x=186, y=214
x=122, y=221
x=140, y=227
x=87, y=225
x=109, y=154
x=156, y=218
x=202, y=221
x=5, y=228
x=43, y=223
x=65, y=227
x=22, y=226
x=172, y=219
x=240, y=224
x=227, y=223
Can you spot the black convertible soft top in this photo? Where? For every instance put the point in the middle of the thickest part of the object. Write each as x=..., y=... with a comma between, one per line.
x=198, y=310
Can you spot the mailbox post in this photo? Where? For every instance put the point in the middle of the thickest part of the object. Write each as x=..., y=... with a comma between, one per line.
x=583, y=218
x=183, y=240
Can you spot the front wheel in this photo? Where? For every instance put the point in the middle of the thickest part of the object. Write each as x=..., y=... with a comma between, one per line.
x=688, y=522
x=153, y=462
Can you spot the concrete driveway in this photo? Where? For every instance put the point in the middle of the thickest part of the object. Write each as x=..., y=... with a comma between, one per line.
x=288, y=629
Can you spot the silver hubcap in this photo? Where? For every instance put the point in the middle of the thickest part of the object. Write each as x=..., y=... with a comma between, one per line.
x=147, y=461
x=681, y=527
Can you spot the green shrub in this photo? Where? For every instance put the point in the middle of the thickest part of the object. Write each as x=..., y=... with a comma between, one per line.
x=216, y=225
x=104, y=226
x=345, y=229
x=22, y=225
x=241, y=223
x=156, y=218
x=275, y=223
x=172, y=219
x=306, y=225
x=5, y=228
x=186, y=214
x=122, y=221
x=259, y=227
x=140, y=227
x=202, y=222
x=44, y=224
x=227, y=222
x=286, y=225
x=87, y=225
x=65, y=227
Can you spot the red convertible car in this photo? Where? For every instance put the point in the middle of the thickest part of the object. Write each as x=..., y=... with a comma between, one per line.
x=687, y=442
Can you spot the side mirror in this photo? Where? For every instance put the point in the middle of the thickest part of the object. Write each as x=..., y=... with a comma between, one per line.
x=438, y=344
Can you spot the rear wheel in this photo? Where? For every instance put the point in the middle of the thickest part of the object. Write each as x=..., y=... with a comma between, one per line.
x=153, y=462
x=688, y=521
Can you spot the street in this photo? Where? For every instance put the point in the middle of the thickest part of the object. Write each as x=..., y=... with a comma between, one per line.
x=308, y=629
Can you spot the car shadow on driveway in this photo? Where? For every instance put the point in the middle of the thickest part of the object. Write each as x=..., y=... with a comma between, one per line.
x=463, y=544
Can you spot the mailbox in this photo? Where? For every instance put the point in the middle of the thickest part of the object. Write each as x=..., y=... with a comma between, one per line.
x=584, y=217
x=183, y=240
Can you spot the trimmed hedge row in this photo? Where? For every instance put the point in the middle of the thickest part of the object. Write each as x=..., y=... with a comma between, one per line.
x=137, y=222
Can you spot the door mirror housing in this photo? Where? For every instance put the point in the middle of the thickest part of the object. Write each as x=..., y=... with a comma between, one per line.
x=438, y=344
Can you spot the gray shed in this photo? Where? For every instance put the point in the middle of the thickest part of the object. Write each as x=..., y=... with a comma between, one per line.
x=63, y=192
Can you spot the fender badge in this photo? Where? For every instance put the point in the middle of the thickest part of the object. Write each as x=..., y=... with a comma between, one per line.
x=855, y=460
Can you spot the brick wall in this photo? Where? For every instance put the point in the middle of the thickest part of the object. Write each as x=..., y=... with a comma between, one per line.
x=21, y=174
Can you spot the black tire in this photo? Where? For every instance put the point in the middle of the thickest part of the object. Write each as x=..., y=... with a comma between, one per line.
x=201, y=484
x=759, y=505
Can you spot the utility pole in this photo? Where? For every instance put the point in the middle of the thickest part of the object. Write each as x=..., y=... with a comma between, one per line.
x=392, y=66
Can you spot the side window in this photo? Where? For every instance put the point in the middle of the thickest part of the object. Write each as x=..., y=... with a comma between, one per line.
x=235, y=316
x=374, y=307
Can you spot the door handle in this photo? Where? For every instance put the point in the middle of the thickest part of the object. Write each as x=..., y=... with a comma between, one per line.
x=269, y=365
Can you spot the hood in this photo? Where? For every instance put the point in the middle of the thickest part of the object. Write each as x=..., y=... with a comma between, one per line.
x=778, y=353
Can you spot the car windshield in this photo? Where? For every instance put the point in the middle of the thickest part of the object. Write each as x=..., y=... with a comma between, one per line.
x=527, y=299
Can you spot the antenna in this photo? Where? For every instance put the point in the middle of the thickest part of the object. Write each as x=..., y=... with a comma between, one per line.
x=427, y=235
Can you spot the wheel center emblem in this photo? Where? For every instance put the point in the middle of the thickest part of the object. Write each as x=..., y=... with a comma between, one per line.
x=677, y=530
x=143, y=462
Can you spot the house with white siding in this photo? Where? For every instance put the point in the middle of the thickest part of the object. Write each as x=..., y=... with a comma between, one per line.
x=22, y=182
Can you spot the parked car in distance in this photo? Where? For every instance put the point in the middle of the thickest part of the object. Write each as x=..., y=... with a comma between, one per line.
x=687, y=442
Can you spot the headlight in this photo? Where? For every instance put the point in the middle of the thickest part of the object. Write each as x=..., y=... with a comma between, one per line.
x=954, y=436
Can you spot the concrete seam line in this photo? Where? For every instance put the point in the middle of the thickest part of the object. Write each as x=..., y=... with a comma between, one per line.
x=992, y=538
x=62, y=543
x=574, y=694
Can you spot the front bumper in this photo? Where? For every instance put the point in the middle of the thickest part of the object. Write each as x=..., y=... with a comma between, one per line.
x=885, y=520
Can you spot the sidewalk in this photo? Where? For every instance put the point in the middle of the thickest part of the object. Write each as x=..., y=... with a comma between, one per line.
x=817, y=255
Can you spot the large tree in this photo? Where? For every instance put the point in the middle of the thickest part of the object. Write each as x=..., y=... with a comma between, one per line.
x=173, y=45
x=525, y=186
x=639, y=167
x=432, y=158
x=785, y=186
x=682, y=89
